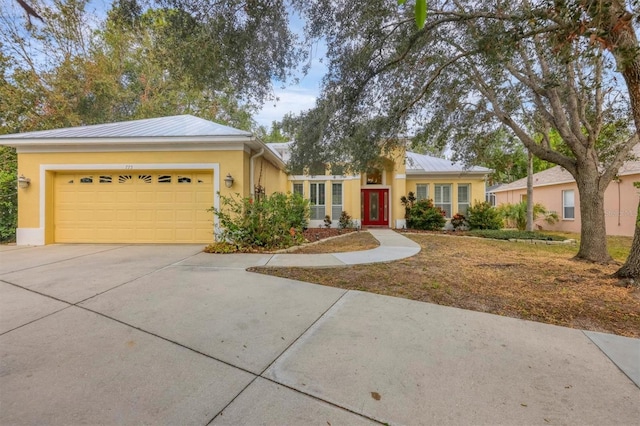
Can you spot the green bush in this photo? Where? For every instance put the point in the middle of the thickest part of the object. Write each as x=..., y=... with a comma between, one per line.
x=510, y=234
x=516, y=214
x=8, y=194
x=424, y=215
x=345, y=221
x=268, y=222
x=483, y=215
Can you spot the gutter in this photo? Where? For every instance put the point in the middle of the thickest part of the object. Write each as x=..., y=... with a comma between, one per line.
x=252, y=172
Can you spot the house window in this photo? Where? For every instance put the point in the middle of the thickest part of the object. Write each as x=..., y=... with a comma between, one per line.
x=336, y=200
x=316, y=192
x=374, y=177
x=464, y=189
x=422, y=191
x=442, y=198
x=298, y=188
x=568, y=204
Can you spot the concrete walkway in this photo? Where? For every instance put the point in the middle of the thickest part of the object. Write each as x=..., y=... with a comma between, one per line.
x=169, y=335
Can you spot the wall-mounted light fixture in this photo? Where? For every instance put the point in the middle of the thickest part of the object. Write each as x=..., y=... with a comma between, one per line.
x=228, y=181
x=23, y=182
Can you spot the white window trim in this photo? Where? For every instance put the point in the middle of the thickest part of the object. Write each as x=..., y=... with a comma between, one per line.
x=297, y=183
x=564, y=206
x=341, y=199
x=468, y=202
x=422, y=184
x=435, y=203
x=318, y=195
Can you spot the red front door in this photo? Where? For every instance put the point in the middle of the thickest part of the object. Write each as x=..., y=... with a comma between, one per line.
x=375, y=207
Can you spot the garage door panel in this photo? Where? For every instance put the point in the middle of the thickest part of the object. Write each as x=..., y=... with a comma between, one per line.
x=164, y=196
x=125, y=196
x=146, y=197
x=140, y=206
x=165, y=216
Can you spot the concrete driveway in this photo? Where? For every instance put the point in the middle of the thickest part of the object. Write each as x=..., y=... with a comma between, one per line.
x=116, y=334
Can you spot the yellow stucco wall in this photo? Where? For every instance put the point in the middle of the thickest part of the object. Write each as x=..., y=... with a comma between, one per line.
x=238, y=164
x=29, y=165
x=477, y=187
x=269, y=176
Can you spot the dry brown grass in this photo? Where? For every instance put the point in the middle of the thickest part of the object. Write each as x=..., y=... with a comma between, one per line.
x=354, y=241
x=534, y=282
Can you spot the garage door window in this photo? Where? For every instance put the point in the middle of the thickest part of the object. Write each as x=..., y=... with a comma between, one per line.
x=105, y=179
x=145, y=178
x=164, y=179
x=124, y=178
x=184, y=179
x=86, y=179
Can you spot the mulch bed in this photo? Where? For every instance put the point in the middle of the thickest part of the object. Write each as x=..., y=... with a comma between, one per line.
x=317, y=234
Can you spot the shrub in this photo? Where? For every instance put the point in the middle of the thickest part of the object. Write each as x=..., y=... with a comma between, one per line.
x=345, y=221
x=269, y=222
x=424, y=215
x=483, y=215
x=408, y=203
x=516, y=214
x=8, y=194
x=327, y=221
x=458, y=221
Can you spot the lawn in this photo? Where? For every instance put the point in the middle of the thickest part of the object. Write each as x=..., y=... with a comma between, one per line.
x=534, y=282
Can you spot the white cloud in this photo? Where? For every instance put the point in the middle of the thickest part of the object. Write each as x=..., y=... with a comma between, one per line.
x=290, y=99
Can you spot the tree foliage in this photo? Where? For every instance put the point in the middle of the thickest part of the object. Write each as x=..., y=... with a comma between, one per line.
x=74, y=67
x=532, y=69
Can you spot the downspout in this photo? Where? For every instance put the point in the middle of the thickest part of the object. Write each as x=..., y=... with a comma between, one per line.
x=252, y=171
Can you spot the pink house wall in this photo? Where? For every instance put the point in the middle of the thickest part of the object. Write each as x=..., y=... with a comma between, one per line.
x=620, y=201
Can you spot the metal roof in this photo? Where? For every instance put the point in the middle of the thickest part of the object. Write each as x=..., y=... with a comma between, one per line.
x=281, y=149
x=420, y=163
x=173, y=126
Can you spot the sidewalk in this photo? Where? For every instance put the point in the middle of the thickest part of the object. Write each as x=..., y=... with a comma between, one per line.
x=393, y=246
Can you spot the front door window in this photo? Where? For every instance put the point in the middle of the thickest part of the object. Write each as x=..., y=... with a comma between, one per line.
x=374, y=206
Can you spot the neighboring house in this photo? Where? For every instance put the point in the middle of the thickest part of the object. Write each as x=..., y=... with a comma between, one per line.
x=557, y=191
x=152, y=181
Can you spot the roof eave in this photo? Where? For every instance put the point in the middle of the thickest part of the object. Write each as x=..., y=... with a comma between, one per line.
x=447, y=173
x=155, y=140
x=564, y=182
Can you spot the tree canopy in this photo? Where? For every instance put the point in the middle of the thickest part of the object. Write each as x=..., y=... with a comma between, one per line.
x=73, y=68
x=532, y=68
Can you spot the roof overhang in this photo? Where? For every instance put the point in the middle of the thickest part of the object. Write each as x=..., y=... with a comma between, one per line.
x=564, y=182
x=420, y=173
x=140, y=144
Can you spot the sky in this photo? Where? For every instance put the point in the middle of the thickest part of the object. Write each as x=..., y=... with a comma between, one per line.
x=289, y=97
x=294, y=98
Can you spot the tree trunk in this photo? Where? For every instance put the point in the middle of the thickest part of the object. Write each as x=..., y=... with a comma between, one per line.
x=593, y=239
x=530, y=217
x=631, y=268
